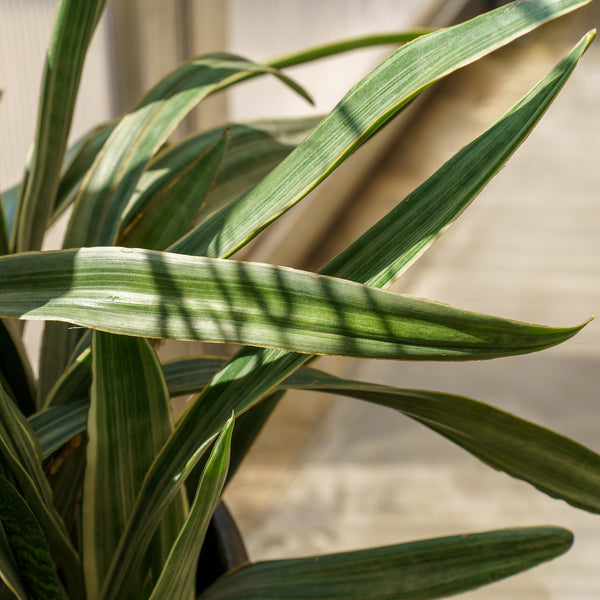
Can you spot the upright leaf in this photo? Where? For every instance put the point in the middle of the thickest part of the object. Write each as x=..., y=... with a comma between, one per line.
x=363, y=110
x=129, y=420
x=421, y=570
x=179, y=572
x=75, y=23
x=28, y=546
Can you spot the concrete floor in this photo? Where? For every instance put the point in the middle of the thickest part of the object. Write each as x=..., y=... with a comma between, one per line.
x=336, y=475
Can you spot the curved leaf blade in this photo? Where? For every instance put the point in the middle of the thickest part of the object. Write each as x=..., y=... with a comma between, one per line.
x=109, y=184
x=73, y=29
x=365, y=109
x=417, y=571
x=179, y=572
x=339, y=47
x=129, y=420
x=28, y=545
x=154, y=294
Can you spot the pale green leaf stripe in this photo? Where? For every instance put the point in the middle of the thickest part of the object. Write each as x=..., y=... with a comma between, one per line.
x=22, y=456
x=107, y=187
x=173, y=208
x=248, y=377
x=28, y=545
x=365, y=109
x=13, y=586
x=255, y=148
x=325, y=50
x=421, y=570
x=73, y=29
x=154, y=294
x=129, y=421
x=179, y=571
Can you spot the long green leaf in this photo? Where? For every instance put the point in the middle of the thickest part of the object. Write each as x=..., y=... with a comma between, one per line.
x=20, y=452
x=107, y=188
x=145, y=293
x=173, y=208
x=129, y=420
x=28, y=545
x=248, y=377
x=421, y=570
x=365, y=109
x=551, y=462
x=179, y=572
x=75, y=23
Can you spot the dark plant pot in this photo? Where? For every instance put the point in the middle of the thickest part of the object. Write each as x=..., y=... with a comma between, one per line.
x=223, y=549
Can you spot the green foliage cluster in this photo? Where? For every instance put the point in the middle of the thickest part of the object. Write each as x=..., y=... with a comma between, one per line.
x=103, y=495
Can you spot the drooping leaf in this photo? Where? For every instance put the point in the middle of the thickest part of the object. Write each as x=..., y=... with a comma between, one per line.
x=107, y=188
x=16, y=375
x=28, y=546
x=172, y=209
x=421, y=570
x=553, y=463
x=129, y=420
x=179, y=572
x=146, y=293
x=75, y=23
x=365, y=109
x=246, y=378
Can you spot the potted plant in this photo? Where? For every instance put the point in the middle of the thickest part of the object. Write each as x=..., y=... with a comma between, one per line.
x=102, y=495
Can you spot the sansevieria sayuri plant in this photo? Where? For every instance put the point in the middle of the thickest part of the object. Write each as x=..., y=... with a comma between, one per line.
x=102, y=495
